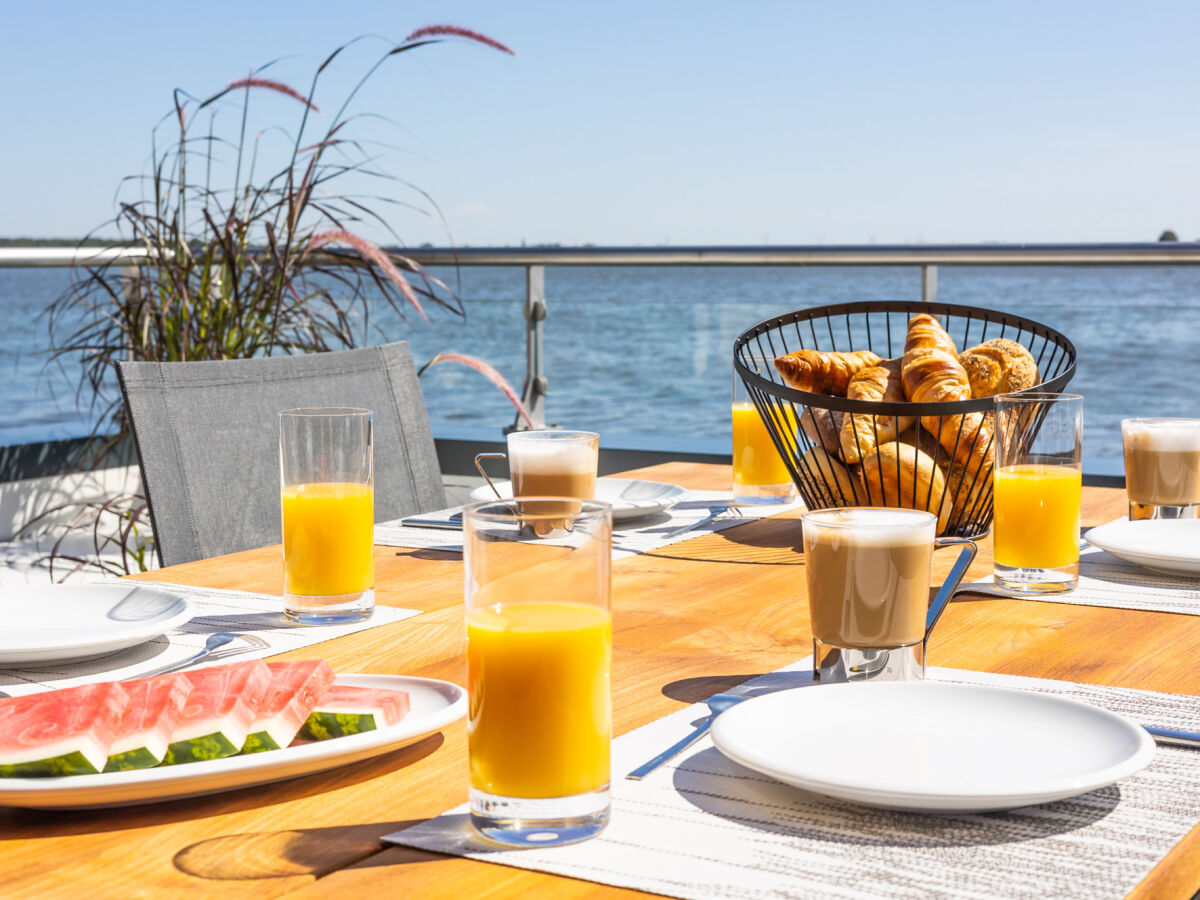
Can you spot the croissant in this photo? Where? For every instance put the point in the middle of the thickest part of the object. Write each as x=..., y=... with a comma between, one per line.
x=861, y=433
x=822, y=371
x=901, y=475
x=932, y=373
x=999, y=366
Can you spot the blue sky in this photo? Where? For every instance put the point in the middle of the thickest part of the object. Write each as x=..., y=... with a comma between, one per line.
x=653, y=122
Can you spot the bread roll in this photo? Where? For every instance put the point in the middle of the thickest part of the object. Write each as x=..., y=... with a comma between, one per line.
x=900, y=475
x=822, y=371
x=860, y=433
x=999, y=366
x=822, y=427
x=829, y=481
x=966, y=492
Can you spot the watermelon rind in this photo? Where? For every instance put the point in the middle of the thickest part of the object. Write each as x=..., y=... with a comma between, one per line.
x=215, y=745
x=73, y=763
x=138, y=758
x=322, y=725
x=273, y=734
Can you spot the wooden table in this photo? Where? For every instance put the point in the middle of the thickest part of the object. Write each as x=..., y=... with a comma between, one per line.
x=690, y=620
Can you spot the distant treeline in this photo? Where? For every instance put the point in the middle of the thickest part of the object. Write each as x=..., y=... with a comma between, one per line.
x=55, y=242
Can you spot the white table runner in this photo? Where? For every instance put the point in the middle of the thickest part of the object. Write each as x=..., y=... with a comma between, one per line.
x=703, y=827
x=1105, y=580
x=216, y=610
x=630, y=538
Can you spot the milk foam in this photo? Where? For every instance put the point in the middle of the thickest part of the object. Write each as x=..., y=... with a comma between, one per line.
x=873, y=528
x=553, y=455
x=1166, y=435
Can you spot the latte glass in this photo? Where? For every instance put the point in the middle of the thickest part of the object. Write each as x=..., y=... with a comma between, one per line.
x=868, y=572
x=1162, y=467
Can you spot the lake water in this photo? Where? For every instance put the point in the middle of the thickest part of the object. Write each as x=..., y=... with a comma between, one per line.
x=647, y=351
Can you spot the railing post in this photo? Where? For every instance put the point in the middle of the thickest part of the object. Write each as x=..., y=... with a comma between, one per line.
x=928, y=283
x=131, y=274
x=533, y=392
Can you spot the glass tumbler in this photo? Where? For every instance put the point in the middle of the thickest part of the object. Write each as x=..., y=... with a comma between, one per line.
x=327, y=487
x=1037, y=492
x=759, y=473
x=539, y=655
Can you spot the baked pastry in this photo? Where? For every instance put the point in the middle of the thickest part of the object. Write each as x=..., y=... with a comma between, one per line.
x=822, y=426
x=822, y=371
x=861, y=433
x=999, y=366
x=969, y=487
x=901, y=475
x=832, y=483
x=932, y=374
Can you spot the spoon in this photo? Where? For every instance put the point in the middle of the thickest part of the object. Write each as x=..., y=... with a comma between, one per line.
x=214, y=641
x=718, y=703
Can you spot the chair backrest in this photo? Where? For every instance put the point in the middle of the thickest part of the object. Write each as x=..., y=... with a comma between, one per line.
x=207, y=437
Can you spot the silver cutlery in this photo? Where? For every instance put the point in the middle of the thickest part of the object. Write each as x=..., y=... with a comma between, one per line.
x=717, y=703
x=1173, y=737
x=454, y=523
x=210, y=645
x=713, y=512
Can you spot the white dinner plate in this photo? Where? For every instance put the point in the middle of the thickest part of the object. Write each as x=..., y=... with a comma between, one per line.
x=49, y=623
x=630, y=498
x=1170, y=546
x=434, y=705
x=932, y=746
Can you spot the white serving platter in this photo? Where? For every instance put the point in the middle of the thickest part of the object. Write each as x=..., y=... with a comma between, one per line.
x=932, y=746
x=434, y=705
x=630, y=498
x=1170, y=546
x=52, y=623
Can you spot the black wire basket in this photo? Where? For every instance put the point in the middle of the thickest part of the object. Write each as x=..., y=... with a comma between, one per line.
x=801, y=423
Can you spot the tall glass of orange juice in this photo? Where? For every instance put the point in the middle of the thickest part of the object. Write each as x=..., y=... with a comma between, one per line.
x=539, y=655
x=326, y=470
x=1036, y=496
x=759, y=473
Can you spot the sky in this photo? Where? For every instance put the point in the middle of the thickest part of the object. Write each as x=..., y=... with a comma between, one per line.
x=649, y=123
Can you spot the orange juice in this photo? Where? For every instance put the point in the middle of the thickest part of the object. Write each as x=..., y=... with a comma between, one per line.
x=540, y=720
x=755, y=459
x=1036, y=516
x=327, y=539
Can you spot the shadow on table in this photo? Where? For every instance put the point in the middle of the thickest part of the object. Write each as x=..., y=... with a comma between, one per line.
x=19, y=824
x=696, y=690
x=97, y=666
x=718, y=786
x=283, y=854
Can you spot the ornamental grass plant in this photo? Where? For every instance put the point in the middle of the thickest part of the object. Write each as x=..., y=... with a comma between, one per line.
x=246, y=240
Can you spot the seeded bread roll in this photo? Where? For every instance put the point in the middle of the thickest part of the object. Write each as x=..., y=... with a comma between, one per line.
x=999, y=366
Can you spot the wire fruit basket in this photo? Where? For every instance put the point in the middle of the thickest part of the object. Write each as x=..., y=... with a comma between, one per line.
x=805, y=426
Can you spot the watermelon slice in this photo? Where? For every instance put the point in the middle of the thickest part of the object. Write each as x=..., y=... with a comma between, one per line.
x=219, y=711
x=350, y=710
x=63, y=732
x=295, y=689
x=155, y=705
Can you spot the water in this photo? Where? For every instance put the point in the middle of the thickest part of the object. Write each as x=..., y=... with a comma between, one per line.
x=647, y=350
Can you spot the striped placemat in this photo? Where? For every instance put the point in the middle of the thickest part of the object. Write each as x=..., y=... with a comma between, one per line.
x=703, y=827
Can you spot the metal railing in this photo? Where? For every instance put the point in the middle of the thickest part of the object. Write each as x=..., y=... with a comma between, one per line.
x=535, y=261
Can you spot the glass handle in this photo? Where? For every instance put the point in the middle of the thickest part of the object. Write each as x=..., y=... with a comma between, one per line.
x=479, y=458
x=950, y=585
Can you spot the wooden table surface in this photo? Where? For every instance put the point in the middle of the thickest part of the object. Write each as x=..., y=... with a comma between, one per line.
x=689, y=620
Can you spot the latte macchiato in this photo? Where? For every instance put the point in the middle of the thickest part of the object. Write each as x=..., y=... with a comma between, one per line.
x=553, y=464
x=868, y=576
x=1162, y=461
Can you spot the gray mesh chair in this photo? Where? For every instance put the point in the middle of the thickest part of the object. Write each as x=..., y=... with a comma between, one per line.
x=207, y=438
